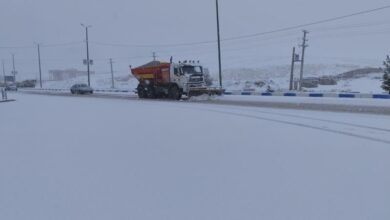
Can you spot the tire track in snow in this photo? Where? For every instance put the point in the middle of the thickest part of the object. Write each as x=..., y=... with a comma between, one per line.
x=123, y=97
x=298, y=124
x=323, y=120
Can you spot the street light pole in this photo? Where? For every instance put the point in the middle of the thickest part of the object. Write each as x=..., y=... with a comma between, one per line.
x=2, y=62
x=304, y=45
x=292, y=70
x=13, y=67
x=40, y=68
x=219, y=46
x=112, y=74
x=88, y=60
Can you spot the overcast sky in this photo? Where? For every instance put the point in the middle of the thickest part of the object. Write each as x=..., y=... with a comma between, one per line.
x=118, y=24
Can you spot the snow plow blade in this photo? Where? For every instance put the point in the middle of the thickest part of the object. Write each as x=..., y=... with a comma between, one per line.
x=205, y=91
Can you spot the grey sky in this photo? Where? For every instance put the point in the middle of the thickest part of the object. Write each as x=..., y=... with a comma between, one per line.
x=362, y=39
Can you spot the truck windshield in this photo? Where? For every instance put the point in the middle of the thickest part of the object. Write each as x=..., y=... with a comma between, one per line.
x=192, y=69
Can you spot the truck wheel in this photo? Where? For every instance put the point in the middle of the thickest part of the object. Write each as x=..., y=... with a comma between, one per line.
x=150, y=92
x=174, y=93
x=141, y=92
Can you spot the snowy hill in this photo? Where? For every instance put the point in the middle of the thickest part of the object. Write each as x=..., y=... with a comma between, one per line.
x=283, y=71
x=277, y=77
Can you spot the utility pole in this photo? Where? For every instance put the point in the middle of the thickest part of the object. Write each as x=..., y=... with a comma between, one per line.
x=219, y=46
x=40, y=68
x=13, y=67
x=112, y=74
x=292, y=69
x=2, y=62
x=154, y=56
x=304, y=45
x=88, y=62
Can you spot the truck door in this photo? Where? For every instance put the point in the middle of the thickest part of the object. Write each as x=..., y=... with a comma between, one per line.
x=177, y=75
x=179, y=78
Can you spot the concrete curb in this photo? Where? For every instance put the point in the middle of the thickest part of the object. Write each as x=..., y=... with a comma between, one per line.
x=250, y=93
x=7, y=100
x=305, y=94
x=68, y=90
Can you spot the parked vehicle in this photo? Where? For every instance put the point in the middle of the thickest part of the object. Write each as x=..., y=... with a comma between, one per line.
x=172, y=80
x=27, y=84
x=81, y=89
x=11, y=87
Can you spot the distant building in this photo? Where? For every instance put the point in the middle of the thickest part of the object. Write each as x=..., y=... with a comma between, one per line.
x=58, y=75
x=7, y=79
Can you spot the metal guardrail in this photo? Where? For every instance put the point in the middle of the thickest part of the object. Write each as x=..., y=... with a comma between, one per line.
x=252, y=93
x=68, y=90
x=111, y=90
x=305, y=94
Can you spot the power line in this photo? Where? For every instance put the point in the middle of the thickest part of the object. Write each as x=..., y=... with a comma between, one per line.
x=228, y=51
x=262, y=44
x=351, y=26
x=16, y=47
x=328, y=20
x=210, y=41
x=308, y=24
x=269, y=38
x=123, y=58
x=43, y=45
x=353, y=34
x=62, y=44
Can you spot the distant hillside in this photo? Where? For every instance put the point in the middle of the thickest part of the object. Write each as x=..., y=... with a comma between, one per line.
x=283, y=71
x=357, y=73
x=344, y=78
x=350, y=78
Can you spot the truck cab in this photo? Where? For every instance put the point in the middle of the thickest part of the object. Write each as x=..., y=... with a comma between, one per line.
x=188, y=76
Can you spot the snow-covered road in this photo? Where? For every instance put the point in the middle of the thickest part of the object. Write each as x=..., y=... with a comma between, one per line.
x=335, y=104
x=77, y=158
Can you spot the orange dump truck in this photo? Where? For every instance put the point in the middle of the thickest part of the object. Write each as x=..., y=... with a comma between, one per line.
x=172, y=80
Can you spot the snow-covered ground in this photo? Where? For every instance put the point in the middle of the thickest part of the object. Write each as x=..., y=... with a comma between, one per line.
x=311, y=100
x=277, y=77
x=86, y=158
x=370, y=84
